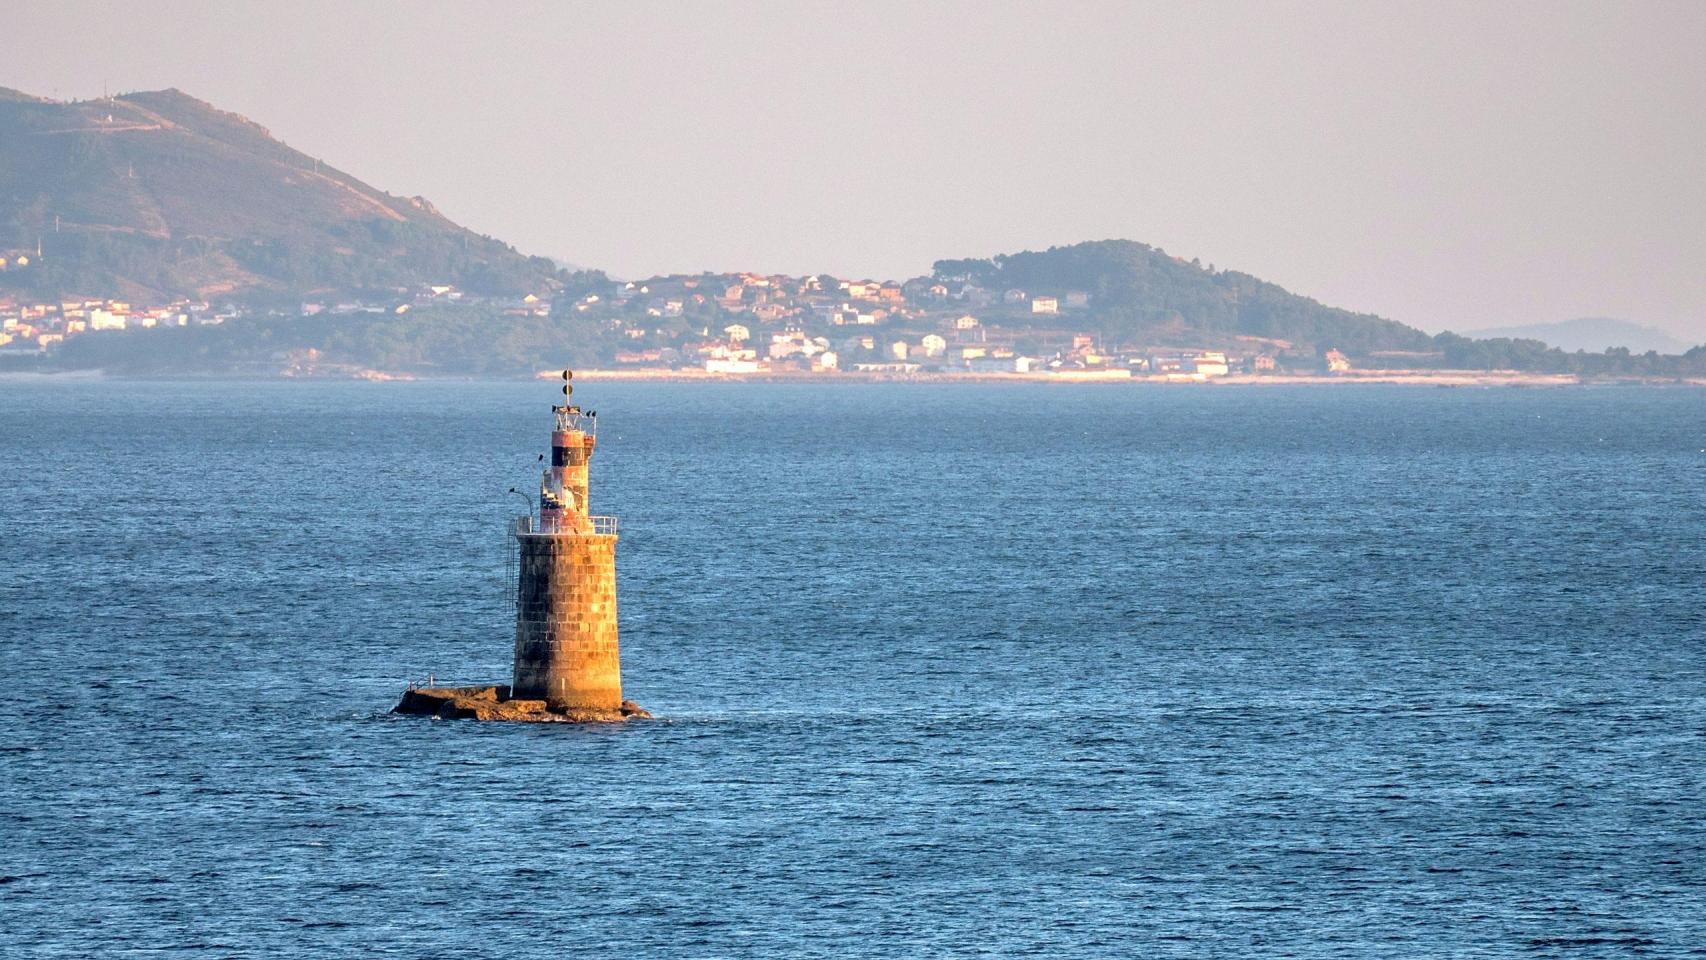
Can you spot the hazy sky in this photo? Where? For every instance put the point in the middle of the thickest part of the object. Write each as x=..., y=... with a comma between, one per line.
x=1448, y=165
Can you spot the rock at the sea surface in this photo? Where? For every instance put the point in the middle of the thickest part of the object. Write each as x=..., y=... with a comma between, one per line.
x=494, y=703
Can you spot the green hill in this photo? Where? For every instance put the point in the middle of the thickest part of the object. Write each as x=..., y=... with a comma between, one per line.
x=158, y=194
x=1593, y=334
x=1138, y=293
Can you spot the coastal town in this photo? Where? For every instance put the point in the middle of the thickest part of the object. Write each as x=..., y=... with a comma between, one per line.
x=816, y=324
x=742, y=325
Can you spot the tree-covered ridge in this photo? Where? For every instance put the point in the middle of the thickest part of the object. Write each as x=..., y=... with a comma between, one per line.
x=1138, y=292
x=486, y=340
x=459, y=340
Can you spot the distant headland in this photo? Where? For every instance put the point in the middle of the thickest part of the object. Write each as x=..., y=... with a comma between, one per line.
x=152, y=234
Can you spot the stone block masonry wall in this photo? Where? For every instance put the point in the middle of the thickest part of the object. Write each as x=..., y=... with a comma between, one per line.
x=565, y=632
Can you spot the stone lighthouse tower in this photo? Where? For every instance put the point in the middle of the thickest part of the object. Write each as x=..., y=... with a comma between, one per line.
x=567, y=665
x=566, y=651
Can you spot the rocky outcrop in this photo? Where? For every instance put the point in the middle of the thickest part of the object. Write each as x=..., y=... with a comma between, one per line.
x=494, y=703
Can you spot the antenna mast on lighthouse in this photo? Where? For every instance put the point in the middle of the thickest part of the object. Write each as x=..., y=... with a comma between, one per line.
x=563, y=490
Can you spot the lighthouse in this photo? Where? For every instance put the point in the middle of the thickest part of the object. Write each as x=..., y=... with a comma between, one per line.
x=566, y=649
x=568, y=666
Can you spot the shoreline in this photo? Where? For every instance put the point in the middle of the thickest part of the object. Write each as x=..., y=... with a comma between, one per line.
x=1435, y=378
x=1438, y=378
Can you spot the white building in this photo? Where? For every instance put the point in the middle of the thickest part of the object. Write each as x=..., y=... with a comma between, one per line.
x=1212, y=364
x=1001, y=364
x=794, y=343
x=107, y=320
x=731, y=366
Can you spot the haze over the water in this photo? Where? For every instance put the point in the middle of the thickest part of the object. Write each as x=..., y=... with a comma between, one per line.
x=1447, y=165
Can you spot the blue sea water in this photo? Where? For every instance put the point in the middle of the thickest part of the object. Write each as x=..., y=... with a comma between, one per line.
x=941, y=670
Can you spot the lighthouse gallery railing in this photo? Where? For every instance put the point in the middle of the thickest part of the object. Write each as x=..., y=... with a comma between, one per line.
x=602, y=526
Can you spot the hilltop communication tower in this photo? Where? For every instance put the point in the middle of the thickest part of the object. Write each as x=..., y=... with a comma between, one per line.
x=566, y=651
